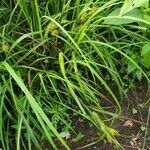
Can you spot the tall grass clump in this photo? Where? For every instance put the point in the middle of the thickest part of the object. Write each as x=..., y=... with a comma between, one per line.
x=60, y=58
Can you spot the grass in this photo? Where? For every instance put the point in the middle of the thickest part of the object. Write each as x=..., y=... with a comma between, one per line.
x=59, y=58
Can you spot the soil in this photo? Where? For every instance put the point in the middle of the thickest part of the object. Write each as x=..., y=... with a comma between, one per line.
x=129, y=125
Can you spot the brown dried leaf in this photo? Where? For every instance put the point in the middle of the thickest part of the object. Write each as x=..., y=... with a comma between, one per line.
x=128, y=123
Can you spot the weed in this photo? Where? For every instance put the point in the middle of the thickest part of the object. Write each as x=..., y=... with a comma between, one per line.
x=59, y=58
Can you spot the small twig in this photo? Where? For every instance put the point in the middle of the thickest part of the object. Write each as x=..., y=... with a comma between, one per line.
x=124, y=117
x=88, y=145
x=134, y=147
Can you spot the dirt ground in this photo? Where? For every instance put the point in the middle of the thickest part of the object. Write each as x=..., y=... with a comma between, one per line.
x=130, y=125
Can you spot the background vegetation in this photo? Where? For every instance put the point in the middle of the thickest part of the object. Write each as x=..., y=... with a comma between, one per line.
x=60, y=58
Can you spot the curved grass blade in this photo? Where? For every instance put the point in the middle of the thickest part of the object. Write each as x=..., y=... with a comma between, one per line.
x=36, y=108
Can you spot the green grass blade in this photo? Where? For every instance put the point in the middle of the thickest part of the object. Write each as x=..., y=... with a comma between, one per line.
x=36, y=108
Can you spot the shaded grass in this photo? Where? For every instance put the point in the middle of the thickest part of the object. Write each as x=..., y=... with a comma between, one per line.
x=62, y=58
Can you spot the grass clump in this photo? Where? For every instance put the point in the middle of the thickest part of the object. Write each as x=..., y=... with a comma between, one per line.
x=59, y=58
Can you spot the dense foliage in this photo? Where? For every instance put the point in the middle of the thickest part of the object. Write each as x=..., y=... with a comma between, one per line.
x=61, y=58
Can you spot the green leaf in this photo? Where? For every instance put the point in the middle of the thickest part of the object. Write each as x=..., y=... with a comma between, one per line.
x=134, y=111
x=143, y=128
x=78, y=137
x=138, y=74
x=131, y=4
x=131, y=67
x=114, y=17
x=146, y=55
